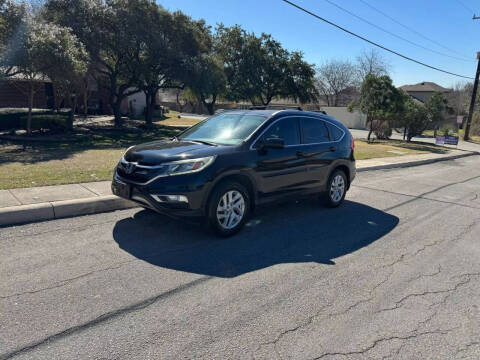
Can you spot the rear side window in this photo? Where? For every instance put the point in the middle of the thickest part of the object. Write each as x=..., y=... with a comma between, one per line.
x=314, y=131
x=335, y=132
x=286, y=129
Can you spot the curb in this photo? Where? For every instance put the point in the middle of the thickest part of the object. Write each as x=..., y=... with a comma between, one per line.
x=415, y=163
x=22, y=214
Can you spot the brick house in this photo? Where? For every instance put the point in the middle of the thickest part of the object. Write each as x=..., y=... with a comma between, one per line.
x=14, y=94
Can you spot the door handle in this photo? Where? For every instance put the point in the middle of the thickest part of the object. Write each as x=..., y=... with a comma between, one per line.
x=300, y=153
x=332, y=148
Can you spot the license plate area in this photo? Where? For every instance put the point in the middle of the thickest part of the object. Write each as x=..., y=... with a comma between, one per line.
x=122, y=190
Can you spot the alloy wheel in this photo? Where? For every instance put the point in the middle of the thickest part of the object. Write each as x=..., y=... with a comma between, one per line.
x=337, y=188
x=230, y=209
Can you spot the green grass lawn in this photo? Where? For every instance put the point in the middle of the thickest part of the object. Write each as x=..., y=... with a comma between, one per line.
x=92, y=156
x=389, y=148
x=171, y=119
x=83, y=158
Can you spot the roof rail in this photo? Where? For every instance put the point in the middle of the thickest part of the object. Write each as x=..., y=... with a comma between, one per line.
x=320, y=111
x=273, y=107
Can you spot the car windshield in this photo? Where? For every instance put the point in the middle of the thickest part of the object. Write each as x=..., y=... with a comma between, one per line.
x=224, y=129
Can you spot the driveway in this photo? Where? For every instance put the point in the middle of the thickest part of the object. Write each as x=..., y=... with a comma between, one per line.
x=394, y=273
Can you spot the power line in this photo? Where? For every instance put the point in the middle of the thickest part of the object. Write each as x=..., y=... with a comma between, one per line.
x=372, y=42
x=411, y=29
x=393, y=34
x=469, y=9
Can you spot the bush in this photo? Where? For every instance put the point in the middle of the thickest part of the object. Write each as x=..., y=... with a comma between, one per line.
x=382, y=129
x=40, y=120
x=447, y=130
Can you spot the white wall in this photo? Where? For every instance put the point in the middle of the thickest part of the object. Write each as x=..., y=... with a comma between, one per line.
x=137, y=103
x=352, y=120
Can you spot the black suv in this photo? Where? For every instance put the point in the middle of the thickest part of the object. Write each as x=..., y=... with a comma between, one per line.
x=226, y=165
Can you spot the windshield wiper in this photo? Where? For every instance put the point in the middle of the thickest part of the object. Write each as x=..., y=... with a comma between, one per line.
x=204, y=142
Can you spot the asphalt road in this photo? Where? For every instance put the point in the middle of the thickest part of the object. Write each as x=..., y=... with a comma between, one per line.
x=393, y=274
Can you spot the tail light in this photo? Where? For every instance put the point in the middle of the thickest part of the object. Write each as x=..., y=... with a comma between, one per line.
x=352, y=143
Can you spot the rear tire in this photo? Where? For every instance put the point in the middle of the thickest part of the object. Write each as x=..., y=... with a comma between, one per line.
x=336, y=189
x=228, y=208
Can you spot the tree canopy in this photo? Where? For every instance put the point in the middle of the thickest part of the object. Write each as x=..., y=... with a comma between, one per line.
x=259, y=69
x=379, y=100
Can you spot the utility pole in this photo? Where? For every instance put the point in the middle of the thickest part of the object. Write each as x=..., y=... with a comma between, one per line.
x=472, y=102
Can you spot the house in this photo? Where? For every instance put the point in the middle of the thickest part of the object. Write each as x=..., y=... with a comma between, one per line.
x=14, y=92
x=424, y=90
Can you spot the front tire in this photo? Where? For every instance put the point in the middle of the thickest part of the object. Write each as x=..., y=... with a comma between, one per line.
x=229, y=208
x=336, y=189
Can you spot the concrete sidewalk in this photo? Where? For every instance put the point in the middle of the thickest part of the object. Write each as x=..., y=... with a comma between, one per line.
x=59, y=201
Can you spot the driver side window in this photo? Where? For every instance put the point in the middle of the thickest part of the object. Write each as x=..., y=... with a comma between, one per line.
x=286, y=129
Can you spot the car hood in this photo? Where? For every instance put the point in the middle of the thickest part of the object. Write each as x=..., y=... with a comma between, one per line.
x=157, y=152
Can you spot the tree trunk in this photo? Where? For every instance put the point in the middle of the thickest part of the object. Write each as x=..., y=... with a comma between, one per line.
x=147, y=115
x=404, y=132
x=116, y=113
x=151, y=96
x=115, y=101
x=370, y=131
x=71, y=114
x=85, y=102
x=30, y=107
x=209, y=105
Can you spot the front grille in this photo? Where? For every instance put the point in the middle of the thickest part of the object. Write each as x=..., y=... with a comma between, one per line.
x=135, y=173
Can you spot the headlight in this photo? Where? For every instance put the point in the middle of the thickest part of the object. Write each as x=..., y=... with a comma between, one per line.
x=186, y=166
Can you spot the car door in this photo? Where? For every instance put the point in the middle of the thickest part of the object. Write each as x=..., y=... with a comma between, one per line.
x=317, y=149
x=280, y=170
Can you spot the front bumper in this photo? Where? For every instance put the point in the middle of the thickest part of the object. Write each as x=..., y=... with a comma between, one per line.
x=161, y=199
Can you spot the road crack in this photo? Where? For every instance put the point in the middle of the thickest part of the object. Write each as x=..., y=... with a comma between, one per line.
x=384, y=339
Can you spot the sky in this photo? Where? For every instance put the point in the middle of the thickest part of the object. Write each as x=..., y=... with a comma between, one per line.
x=447, y=22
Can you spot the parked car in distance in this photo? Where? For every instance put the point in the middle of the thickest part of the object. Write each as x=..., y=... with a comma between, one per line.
x=226, y=165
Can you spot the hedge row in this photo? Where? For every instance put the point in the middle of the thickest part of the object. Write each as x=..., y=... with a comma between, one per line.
x=40, y=120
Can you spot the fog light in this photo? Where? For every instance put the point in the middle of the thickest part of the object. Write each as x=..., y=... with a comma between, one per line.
x=171, y=198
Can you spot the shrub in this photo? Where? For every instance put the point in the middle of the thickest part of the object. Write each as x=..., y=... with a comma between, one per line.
x=40, y=120
x=382, y=129
x=447, y=130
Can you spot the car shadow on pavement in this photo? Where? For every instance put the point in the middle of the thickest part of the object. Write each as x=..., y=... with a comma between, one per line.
x=287, y=233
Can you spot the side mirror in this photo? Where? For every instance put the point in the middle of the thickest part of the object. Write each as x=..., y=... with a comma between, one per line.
x=274, y=143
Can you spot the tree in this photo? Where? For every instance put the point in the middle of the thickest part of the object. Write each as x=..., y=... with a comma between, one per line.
x=333, y=77
x=414, y=117
x=12, y=24
x=66, y=62
x=379, y=100
x=259, y=69
x=232, y=42
x=43, y=49
x=208, y=80
x=171, y=46
x=111, y=32
x=435, y=107
x=371, y=63
x=458, y=98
